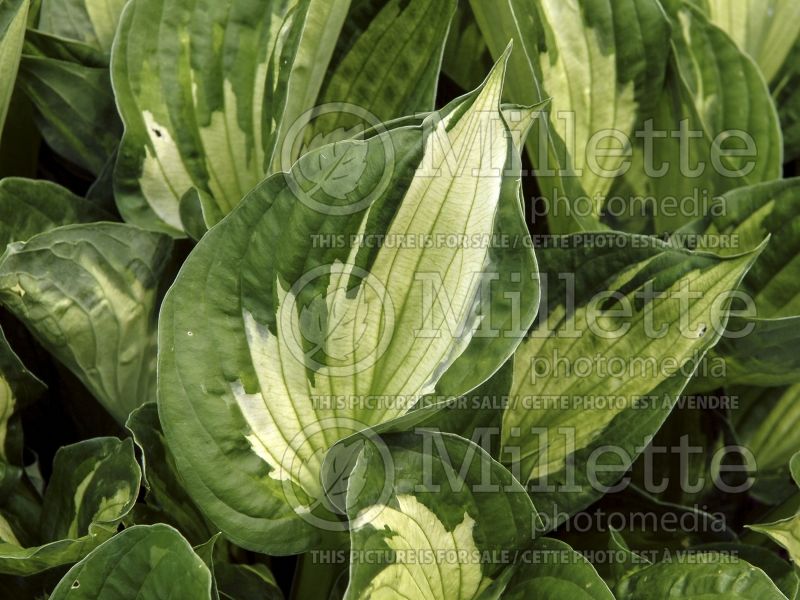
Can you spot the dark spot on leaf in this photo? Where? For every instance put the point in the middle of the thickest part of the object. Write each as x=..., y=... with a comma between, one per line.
x=157, y=132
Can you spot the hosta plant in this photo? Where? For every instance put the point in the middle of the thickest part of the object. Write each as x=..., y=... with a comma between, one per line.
x=353, y=299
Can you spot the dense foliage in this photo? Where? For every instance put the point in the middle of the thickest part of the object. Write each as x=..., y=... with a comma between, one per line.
x=426, y=299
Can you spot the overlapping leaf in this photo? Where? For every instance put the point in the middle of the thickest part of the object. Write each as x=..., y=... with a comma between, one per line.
x=166, y=497
x=370, y=74
x=29, y=207
x=13, y=16
x=93, y=22
x=88, y=293
x=765, y=420
x=759, y=347
x=302, y=349
x=206, y=91
x=94, y=485
x=18, y=386
x=623, y=325
x=439, y=511
x=603, y=65
x=75, y=109
x=142, y=561
x=765, y=29
x=705, y=577
x=722, y=142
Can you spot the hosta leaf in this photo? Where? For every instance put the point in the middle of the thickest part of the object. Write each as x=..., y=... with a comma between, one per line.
x=720, y=145
x=765, y=421
x=94, y=485
x=765, y=29
x=88, y=293
x=761, y=349
x=634, y=502
x=761, y=352
x=234, y=581
x=622, y=327
x=626, y=561
x=43, y=44
x=741, y=220
x=141, y=562
x=785, y=533
x=69, y=86
x=378, y=38
x=74, y=109
x=29, y=207
x=13, y=15
x=93, y=22
x=704, y=577
x=704, y=58
x=602, y=63
x=787, y=96
x=557, y=572
x=284, y=337
x=782, y=573
x=165, y=488
x=246, y=582
x=435, y=506
x=465, y=39
x=207, y=92
x=18, y=386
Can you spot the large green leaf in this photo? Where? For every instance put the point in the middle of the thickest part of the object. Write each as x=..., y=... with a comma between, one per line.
x=385, y=65
x=29, y=207
x=702, y=577
x=74, y=109
x=89, y=293
x=705, y=59
x=722, y=124
x=95, y=483
x=603, y=65
x=765, y=29
x=207, y=92
x=623, y=324
x=285, y=333
x=141, y=562
x=426, y=508
x=13, y=17
x=93, y=22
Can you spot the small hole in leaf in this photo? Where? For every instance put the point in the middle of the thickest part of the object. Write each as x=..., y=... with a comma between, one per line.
x=76, y=584
x=702, y=331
